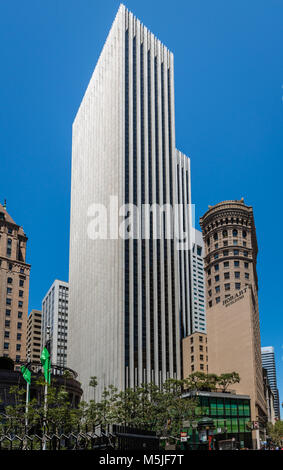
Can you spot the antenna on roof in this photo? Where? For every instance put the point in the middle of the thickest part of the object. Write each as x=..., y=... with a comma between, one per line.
x=5, y=204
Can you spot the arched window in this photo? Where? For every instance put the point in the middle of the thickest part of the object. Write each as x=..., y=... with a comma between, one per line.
x=225, y=234
x=235, y=233
x=244, y=234
x=215, y=236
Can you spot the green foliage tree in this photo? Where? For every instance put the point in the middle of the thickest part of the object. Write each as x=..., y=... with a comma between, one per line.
x=149, y=407
x=224, y=380
x=275, y=432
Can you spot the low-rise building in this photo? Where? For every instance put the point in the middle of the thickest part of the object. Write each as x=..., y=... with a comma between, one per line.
x=230, y=414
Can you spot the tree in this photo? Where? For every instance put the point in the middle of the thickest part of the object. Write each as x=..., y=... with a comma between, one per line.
x=93, y=382
x=227, y=379
x=201, y=381
x=275, y=432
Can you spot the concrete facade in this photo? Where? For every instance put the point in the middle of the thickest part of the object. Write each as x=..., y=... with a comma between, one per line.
x=34, y=335
x=124, y=320
x=232, y=301
x=195, y=354
x=14, y=288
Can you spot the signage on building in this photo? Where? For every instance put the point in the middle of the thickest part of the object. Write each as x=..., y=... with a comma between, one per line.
x=234, y=298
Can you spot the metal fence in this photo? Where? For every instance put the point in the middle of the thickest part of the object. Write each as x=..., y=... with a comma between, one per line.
x=115, y=438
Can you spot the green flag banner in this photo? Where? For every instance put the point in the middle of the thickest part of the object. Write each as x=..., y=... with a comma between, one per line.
x=26, y=374
x=45, y=361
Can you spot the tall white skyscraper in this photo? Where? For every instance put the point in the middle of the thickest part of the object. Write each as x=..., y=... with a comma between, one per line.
x=55, y=315
x=125, y=318
x=268, y=362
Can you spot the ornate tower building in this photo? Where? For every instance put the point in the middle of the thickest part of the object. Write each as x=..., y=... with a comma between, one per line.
x=14, y=288
x=232, y=301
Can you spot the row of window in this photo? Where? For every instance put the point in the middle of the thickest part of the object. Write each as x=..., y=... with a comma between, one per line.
x=200, y=348
x=7, y=345
x=8, y=313
x=18, y=358
x=226, y=287
x=236, y=252
x=235, y=233
x=226, y=264
x=10, y=267
x=21, y=281
x=226, y=221
x=237, y=275
x=201, y=366
x=201, y=358
x=9, y=302
x=200, y=338
x=7, y=325
x=9, y=292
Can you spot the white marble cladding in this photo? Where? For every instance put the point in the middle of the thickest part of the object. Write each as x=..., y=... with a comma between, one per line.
x=97, y=268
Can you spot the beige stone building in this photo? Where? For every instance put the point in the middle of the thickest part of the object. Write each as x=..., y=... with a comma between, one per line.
x=195, y=354
x=34, y=335
x=232, y=301
x=14, y=288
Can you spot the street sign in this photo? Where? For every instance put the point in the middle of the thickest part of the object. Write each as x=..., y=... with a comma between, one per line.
x=184, y=439
x=184, y=434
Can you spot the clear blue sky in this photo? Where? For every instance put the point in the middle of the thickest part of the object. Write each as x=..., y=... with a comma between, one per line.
x=229, y=118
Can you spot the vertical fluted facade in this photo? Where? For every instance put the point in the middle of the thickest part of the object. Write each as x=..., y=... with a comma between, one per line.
x=124, y=315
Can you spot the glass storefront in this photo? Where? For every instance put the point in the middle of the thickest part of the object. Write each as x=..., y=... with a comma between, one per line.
x=231, y=417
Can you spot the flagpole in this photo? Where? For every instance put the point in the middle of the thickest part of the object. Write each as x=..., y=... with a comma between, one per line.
x=45, y=397
x=27, y=395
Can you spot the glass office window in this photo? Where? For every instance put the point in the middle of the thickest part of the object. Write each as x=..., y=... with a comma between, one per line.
x=246, y=408
x=213, y=407
x=242, y=425
x=228, y=425
x=235, y=425
x=241, y=408
x=221, y=423
x=220, y=408
x=205, y=406
x=227, y=407
x=234, y=407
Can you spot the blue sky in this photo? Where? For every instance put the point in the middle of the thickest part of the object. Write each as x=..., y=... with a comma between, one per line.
x=229, y=118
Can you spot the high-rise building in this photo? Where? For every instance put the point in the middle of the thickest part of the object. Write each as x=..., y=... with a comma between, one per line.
x=126, y=318
x=198, y=284
x=34, y=335
x=191, y=278
x=232, y=301
x=268, y=362
x=55, y=306
x=195, y=349
x=14, y=288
